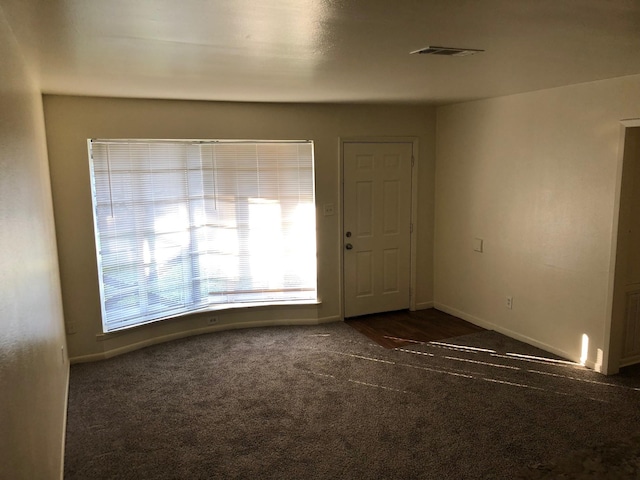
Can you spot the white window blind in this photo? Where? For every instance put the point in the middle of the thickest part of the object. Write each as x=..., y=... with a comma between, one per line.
x=182, y=226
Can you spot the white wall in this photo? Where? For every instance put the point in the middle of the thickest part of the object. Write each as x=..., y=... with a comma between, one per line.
x=33, y=368
x=535, y=176
x=72, y=120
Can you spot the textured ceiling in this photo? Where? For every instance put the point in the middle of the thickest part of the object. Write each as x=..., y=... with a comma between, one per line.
x=322, y=50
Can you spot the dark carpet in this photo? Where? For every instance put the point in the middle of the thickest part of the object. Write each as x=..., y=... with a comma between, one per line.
x=326, y=402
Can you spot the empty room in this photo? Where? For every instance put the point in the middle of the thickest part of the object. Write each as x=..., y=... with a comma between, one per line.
x=333, y=239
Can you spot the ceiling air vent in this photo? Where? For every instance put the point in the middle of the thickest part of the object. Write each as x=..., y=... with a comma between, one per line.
x=447, y=51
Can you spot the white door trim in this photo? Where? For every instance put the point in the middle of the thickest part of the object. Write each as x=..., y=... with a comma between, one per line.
x=609, y=364
x=414, y=210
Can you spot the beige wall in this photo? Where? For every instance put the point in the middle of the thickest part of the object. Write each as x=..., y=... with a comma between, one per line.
x=535, y=176
x=72, y=120
x=33, y=368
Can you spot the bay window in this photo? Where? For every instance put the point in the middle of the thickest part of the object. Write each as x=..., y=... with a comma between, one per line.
x=183, y=226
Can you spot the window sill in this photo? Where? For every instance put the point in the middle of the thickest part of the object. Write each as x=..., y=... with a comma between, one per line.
x=213, y=308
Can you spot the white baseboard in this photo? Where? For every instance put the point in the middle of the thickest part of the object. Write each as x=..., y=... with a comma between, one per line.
x=465, y=316
x=510, y=333
x=625, y=362
x=93, y=357
x=64, y=424
x=331, y=319
x=424, y=305
x=199, y=331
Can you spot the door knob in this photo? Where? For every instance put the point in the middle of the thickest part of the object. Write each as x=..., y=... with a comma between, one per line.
x=348, y=246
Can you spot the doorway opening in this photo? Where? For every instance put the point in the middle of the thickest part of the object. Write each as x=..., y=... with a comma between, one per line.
x=624, y=329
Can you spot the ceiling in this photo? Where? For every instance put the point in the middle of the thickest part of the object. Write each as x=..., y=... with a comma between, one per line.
x=322, y=50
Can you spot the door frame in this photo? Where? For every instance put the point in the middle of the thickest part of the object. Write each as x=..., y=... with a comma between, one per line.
x=414, y=212
x=608, y=362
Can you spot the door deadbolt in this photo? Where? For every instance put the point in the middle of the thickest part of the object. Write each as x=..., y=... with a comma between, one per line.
x=348, y=246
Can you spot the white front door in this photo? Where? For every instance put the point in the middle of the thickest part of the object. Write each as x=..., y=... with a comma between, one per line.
x=377, y=227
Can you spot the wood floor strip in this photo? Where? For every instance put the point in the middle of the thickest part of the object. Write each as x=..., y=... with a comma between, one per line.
x=402, y=328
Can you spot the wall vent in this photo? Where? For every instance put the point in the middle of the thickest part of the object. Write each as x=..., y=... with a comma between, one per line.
x=447, y=51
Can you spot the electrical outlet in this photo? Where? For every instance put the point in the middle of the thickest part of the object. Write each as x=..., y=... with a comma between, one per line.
x=510, y=303
x=212, y=320
x=328, y=209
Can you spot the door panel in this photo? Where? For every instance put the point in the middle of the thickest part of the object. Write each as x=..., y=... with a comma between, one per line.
x=377, y=216
x=365, y=209
x=391, y=273
x=391, y=206
x=364, y=274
